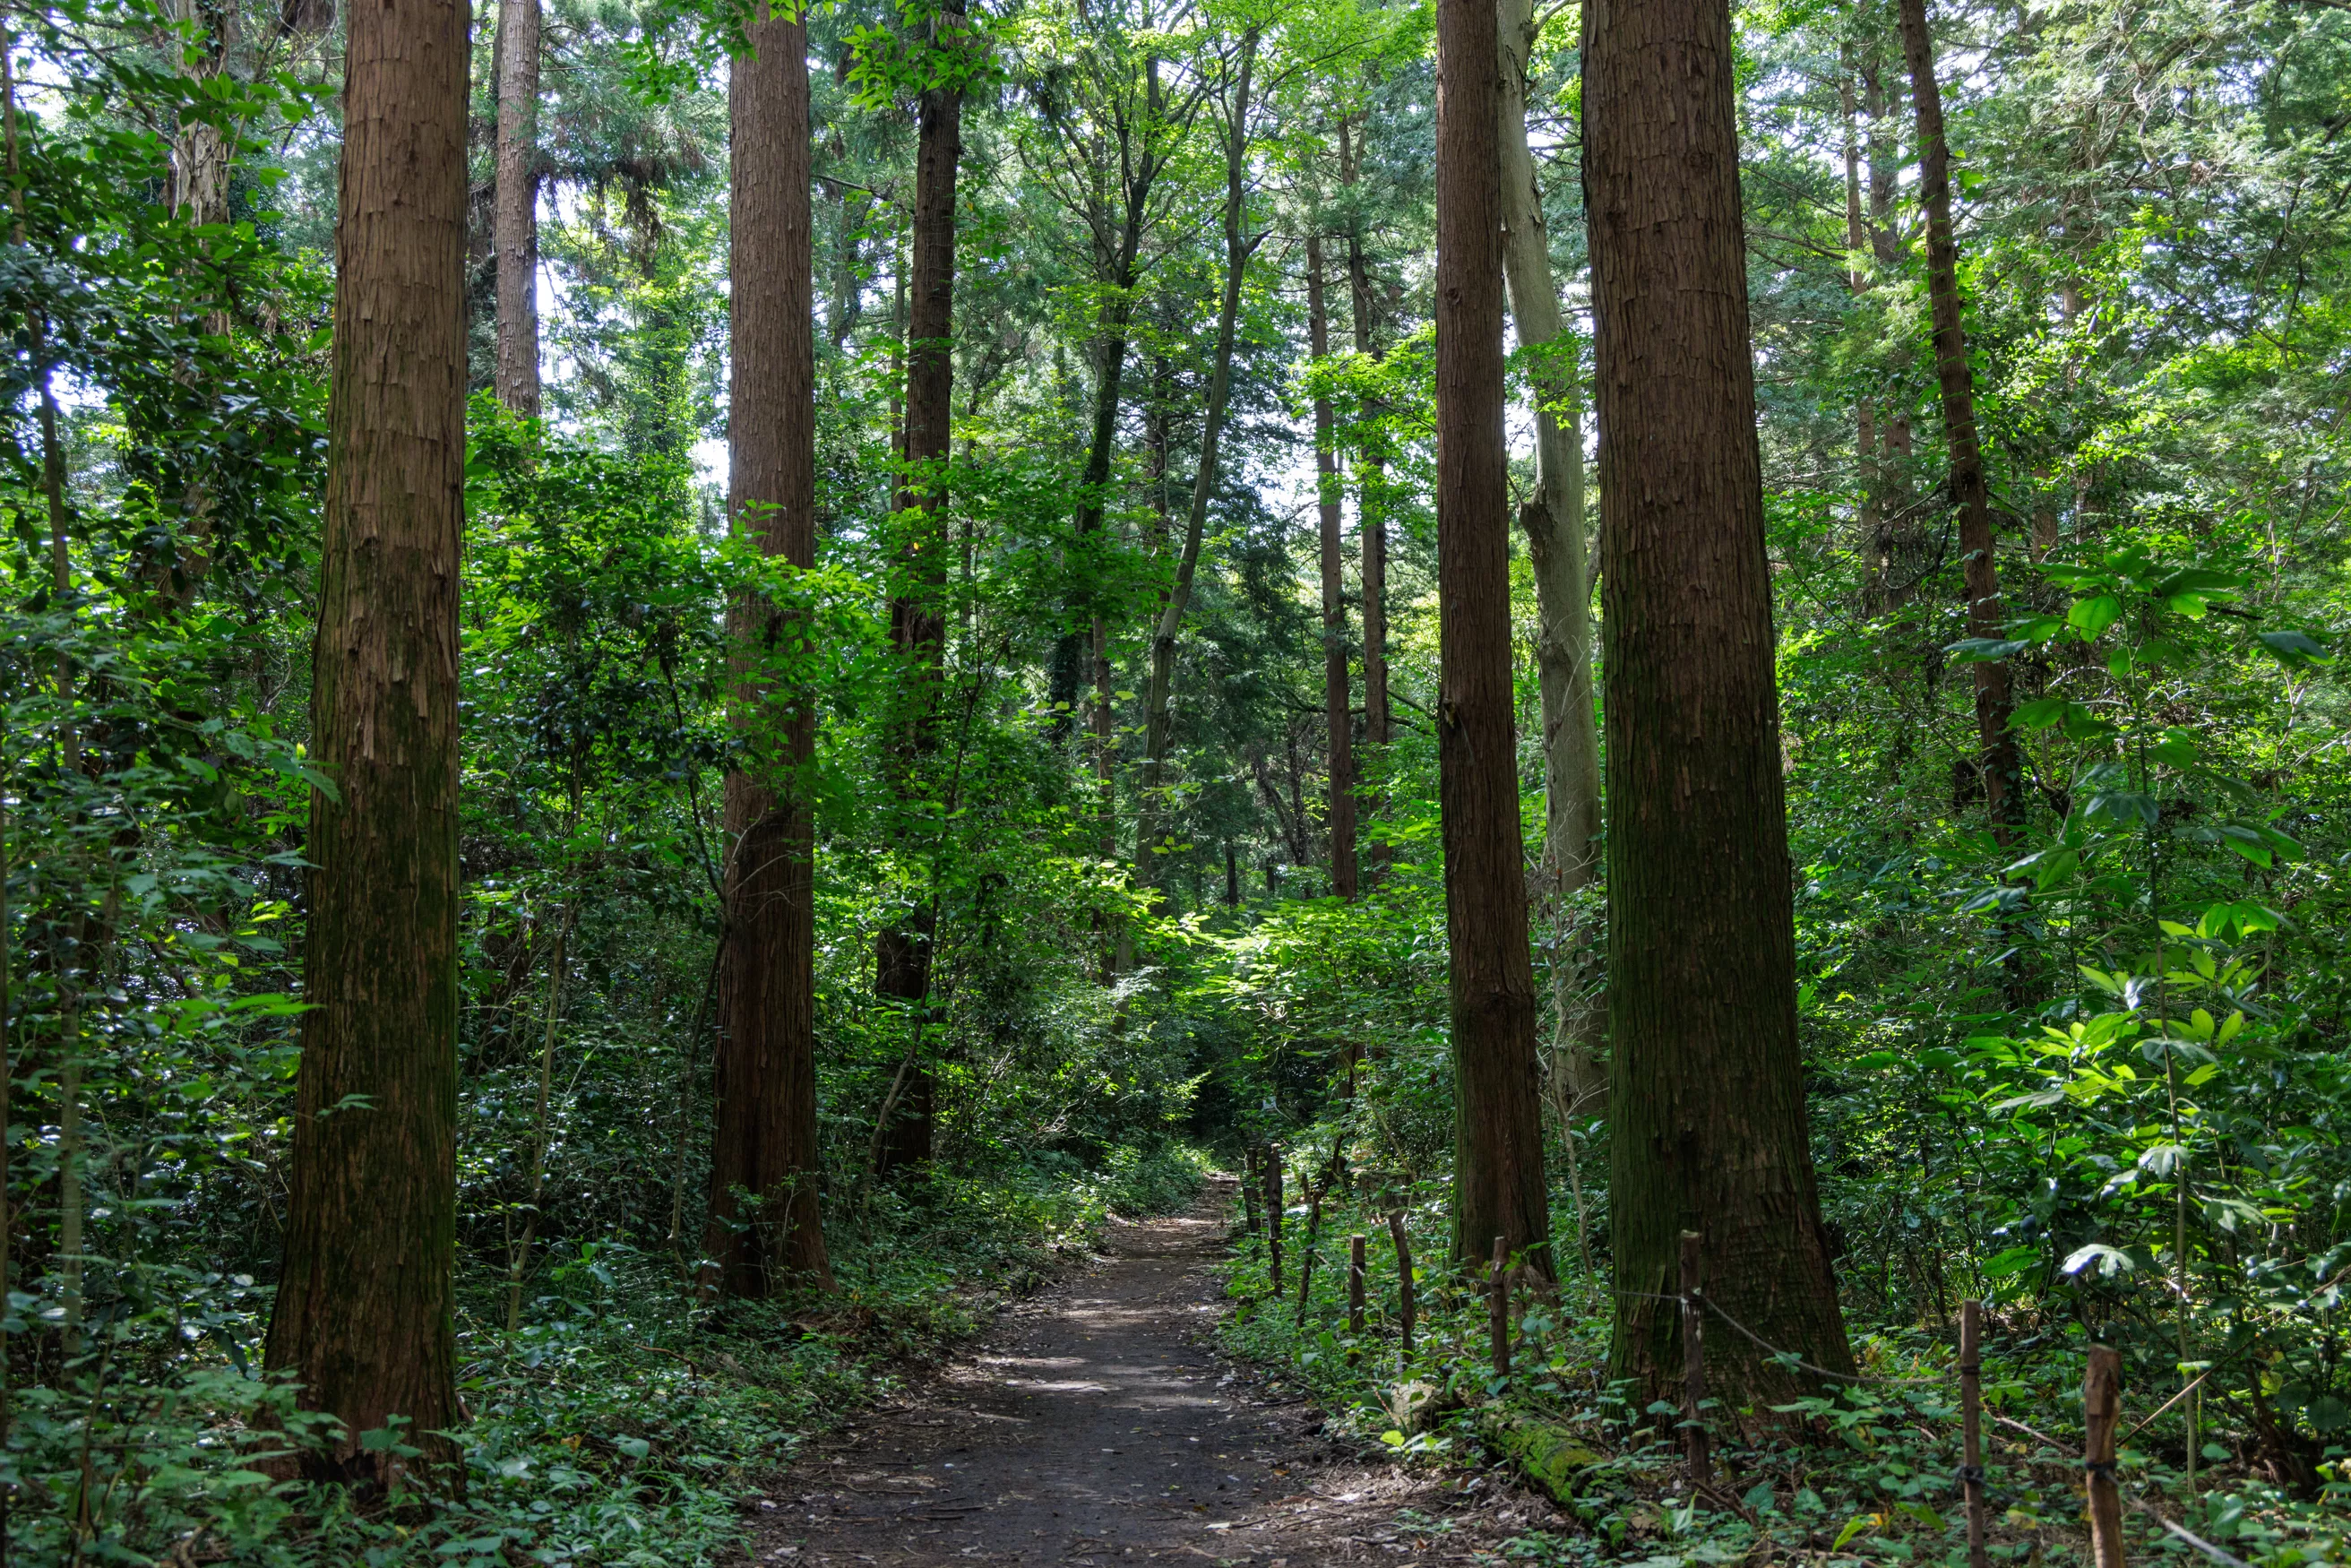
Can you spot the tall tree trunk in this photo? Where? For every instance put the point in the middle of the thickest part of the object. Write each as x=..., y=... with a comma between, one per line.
x=1338, y=711
x=1114, y=270
x=765, y=1233
x=2001, y=762
x=1498, y=1154
x=1899, y=551
x=1869, y=514
x=1554, y=528
x=516, y=219
x=200, y=188
x=917, y=609
x=363, y=1312
x=1158, y=724
x=1371, y=520
x=1705, y=1088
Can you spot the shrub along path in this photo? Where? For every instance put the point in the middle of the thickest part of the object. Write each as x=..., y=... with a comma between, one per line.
x=1097, y=1424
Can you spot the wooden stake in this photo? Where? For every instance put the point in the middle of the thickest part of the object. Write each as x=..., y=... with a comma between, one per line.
x=1972, y=1471
x=1273, y=1214
x=1313, y=1235
x=1248, y=1190
x=1405, y=1299
x=1354, y=1291
x=1497, y=1288
x=1701, y=1463
x=2102, y=1410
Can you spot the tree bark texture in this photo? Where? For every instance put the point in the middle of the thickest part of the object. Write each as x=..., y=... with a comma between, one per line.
x=364, y=1310
x=1158, y=719
x=917, y=609
x=1498, y=1173
x=516, y=216
x=1338, y=710
x=1706, y=1084
x=2001, y=762
x=1554, y=526
x=766, y=1232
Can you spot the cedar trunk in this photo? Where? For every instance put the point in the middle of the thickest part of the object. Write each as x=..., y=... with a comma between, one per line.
x=1706, y=1084
x=364, y=1310
x=1498, y=1157
x=767, y=1234
x=515, y=215
x=918, y=610
x=2001, y=762
x=1337, y=710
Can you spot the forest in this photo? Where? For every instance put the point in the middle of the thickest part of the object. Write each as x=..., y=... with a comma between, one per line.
x=698, y=697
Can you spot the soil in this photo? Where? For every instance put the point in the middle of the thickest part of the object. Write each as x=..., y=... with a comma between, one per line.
x=1097, y=1424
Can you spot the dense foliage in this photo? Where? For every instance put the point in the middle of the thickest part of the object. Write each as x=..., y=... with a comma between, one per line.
x=2092, y=1072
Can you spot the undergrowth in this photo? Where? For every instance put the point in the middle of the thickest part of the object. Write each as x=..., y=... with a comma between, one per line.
x=623, y=1426
x=1874, y=1477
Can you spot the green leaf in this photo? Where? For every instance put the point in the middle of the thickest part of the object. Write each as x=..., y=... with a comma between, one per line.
x=2092, y=616
x=2111, y=1260
x=2038, y=714
x=2247, y=842
x=1983, y=650
x=2294, y=649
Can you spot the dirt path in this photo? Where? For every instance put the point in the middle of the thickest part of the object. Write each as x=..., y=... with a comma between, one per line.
x=1097, y=1425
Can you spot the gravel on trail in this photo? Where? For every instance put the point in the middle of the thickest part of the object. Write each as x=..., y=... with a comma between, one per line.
x=1096, y=1424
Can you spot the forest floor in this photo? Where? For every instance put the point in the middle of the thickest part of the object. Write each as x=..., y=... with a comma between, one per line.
x=1098, y=1423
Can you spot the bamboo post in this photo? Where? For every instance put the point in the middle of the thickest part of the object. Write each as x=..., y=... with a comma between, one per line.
x=2102, y=1410
x=1497, y=1288
x=1273, y=1214
x=1971, y=1470
x=1701, y=1463
x=1405, y=1300
x=1248, y=1191
x=1354, y=1289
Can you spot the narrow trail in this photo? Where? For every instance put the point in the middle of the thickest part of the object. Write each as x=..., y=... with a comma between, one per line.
x=1097, y=1424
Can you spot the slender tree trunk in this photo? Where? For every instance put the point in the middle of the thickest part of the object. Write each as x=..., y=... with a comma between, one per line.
x=1114, y=270
x=1706, y=1086
x=1372, y=522
x=518, y=1266
x=766, y=1235
x=363, y=1318
x=200, y=187
x=1554, y=526
x=1158, y=718
x=2001, y=762
x=1869, y=519
x=1899, y=552
x=515, y=220
x=1498, y=1154
x=1338, y=710
x=917, y=611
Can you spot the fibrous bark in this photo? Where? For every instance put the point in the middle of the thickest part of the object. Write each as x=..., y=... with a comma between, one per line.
x=1707, y=1129
x=1498, y=1160
x=766, y=1232
x=362, y=1318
